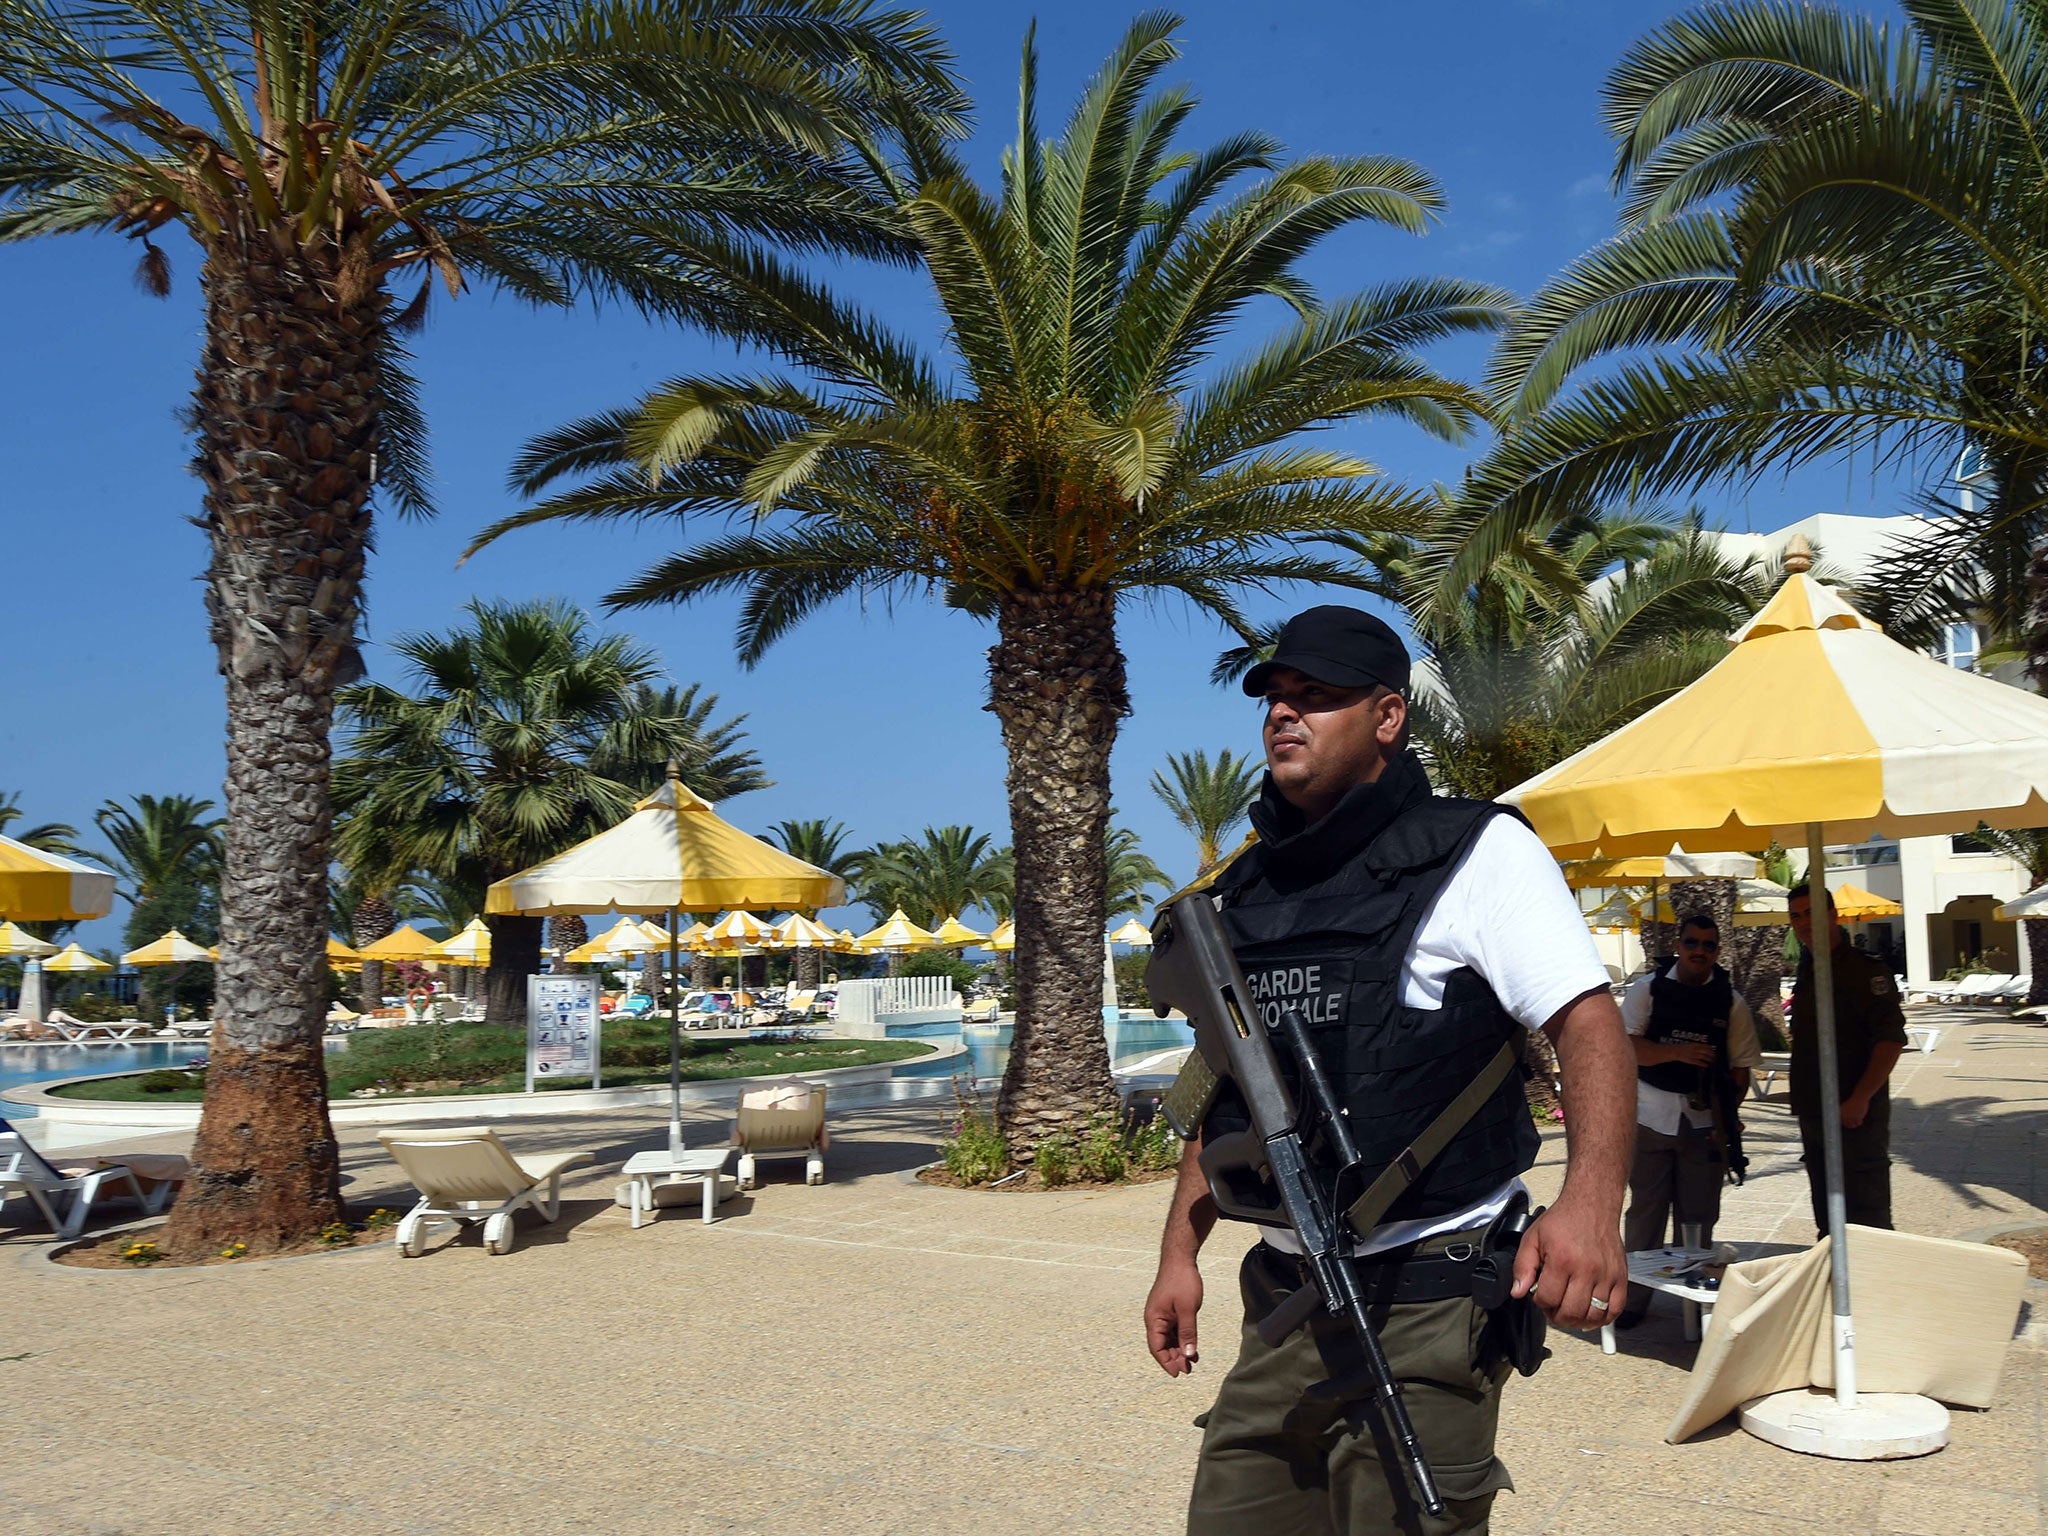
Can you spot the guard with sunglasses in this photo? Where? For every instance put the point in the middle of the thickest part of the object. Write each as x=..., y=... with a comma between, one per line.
x=1695, y=1044
x=1413, y=935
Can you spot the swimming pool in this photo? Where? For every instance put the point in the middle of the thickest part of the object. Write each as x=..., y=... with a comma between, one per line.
x=21, y=1063
x=1133, y=1037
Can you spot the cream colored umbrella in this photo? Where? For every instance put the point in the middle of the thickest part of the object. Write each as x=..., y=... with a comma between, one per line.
x=471, y=947
x=1134, y=933
x=1664, y=868
x=1614, y=915
x=954, y=934
x=1004, y=939
x=674, y=854
x=799, y=932
x=739, y=930
x=1758, y=904
x=73, y=961
x=49, y=888
x=2032, y=905
x=18, y=944
x=1813, y=727
x=899, y=935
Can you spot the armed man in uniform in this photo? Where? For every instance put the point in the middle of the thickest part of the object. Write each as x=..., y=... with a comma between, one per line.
x=1870, y=1036
x=1415, y=934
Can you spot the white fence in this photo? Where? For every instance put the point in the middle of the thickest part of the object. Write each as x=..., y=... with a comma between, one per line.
x=870, y=1007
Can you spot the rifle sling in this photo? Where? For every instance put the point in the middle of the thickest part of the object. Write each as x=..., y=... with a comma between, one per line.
x=1407, y=1166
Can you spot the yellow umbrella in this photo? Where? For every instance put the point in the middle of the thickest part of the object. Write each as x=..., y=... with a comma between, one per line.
x=17, y=944
x=1004, y=939
x=338, y=953
x=1758, y=904
x=1614, y=915
x=1813, y=726
x=1853, y=904
x=1132, y=932
x=49, y=888
x=2033, y=905
x=628, y=936
x=470, y=947
x=673, y=854
x=798, y=932
x=900, y=935
x=73, y=960
x=406, y=943
x=1648, y=869
x=172, y=949
x=954, y=934
x=738, y=930
x=853, y=945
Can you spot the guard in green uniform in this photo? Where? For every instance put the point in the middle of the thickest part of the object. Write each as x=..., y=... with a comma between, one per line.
x=1870, y=1034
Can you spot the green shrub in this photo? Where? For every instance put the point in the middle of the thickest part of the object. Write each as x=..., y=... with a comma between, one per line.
x=1054, y=1162
x=170, y=1080
x=1103, y=1154
x=1154, y=1145
x=975, y=1151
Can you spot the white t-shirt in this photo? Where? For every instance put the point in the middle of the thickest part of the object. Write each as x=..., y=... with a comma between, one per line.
x=1507, y=913
x=1660, y=1109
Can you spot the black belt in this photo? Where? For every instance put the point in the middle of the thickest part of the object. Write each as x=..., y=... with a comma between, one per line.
x=1397, y=1275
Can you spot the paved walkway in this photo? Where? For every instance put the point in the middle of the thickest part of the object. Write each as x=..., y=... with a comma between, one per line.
x=877, y=1355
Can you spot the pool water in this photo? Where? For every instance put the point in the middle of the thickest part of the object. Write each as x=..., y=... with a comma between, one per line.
x=21, y=1063
x=1132, y=1038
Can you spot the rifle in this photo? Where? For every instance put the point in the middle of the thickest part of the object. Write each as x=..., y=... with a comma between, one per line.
x=1266, y=1172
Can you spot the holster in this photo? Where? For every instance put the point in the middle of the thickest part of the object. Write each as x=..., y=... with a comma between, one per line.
x=1514, y=1324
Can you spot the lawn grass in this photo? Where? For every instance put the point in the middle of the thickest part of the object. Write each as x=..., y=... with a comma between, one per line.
x=483, y=1058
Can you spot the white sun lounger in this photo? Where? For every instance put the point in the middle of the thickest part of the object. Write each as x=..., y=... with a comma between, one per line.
x=784, y=1119
x=147, y=1179
x=467, y=1174
x=79, y=1032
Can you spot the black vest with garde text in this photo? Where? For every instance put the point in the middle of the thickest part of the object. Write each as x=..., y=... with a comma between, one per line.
x=1324, y=917
x=1692, y=1015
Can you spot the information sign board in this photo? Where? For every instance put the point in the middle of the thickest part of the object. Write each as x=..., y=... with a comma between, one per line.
x=562, y=1028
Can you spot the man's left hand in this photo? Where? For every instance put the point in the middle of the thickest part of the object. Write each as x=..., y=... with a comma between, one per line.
x=1855, y=1110
x=1570, y=1255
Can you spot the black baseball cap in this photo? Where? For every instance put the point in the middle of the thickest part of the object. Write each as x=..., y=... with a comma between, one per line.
x=1346, y=647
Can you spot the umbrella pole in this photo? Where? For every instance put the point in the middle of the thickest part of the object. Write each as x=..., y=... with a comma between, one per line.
x=1830, y=1113
x=675, y=1047
x=1848, y=1427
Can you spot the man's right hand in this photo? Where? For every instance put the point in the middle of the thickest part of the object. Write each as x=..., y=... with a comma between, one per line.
x=1694, y=1053
x=1170, y=1317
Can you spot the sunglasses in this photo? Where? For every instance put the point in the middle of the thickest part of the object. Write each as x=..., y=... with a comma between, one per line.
x=1711, y=946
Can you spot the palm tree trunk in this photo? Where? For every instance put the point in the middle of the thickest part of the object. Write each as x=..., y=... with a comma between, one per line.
x=515, y=955
x=1056, y=683
x=373, y=920
x=286, y=416
x=2036, y=930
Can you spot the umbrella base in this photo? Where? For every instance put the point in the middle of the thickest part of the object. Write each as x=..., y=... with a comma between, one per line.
x=1883, y=1426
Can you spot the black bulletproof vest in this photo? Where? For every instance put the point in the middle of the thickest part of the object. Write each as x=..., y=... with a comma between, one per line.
x=1695, y=1015
x=1332, y=940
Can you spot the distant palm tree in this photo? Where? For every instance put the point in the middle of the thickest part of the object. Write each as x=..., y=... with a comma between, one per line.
x=1131, y=874
x=507, y=754
x=167, y=852
x=332, y=162
x=1080, y=447
x=822, y=844
x=1208, y=799
x=940, y=874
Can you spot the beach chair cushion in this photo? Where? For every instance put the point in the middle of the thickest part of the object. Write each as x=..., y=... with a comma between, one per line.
x=781, y=1117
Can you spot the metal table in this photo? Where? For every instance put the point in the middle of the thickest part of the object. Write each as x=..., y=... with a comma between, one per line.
x=644, y=1168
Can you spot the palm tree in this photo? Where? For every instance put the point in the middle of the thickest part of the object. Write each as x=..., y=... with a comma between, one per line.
x=1080, y=446
x=331, y=163
x=2028, y=848
x=1831, y=241
x=1130, y=875
x=167, y=852
x=507, y=754
x=934, y=876
x=50, y=836
x=1208, y=799
x=712, y=763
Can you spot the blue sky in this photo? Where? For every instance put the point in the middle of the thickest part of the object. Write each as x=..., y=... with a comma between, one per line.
x=872, y=717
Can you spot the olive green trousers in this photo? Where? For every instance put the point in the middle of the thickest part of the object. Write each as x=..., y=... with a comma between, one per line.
x=1295, y=1447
